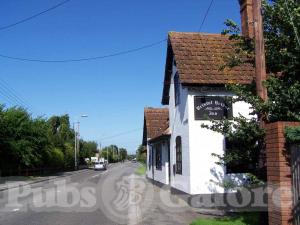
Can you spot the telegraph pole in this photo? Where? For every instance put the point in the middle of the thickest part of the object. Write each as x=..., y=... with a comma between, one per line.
x=260, y=59
x=77, y=138
x=78, y=144
x=75, y=145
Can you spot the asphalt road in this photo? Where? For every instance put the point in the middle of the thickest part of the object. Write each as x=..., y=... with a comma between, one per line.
x=115, y=196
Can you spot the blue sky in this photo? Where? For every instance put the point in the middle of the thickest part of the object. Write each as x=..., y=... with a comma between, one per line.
x=112, y=91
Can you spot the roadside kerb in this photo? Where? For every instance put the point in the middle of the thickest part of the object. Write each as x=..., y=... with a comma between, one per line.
x=43, y=180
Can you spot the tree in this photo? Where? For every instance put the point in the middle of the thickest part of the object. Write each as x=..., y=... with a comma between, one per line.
x=68, y=155
x=141, y=154
x=123, y=154
x=113, y=153
x=281, y=26
x=61, y=136
x=27, y=142
x=57, y=158
x=23, y=140
x=87, y=149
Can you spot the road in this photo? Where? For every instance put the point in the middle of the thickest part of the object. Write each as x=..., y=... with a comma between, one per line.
x=115, y=196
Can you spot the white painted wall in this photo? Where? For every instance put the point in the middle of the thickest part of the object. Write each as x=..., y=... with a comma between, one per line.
x=179, y=122
x=149, y=163
x=200, y=173
x=206, y=175
x=162, y=175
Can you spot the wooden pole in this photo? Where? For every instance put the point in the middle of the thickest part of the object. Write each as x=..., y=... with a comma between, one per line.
x=260, y=60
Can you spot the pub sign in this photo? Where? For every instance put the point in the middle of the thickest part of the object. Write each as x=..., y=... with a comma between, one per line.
x=212, y=107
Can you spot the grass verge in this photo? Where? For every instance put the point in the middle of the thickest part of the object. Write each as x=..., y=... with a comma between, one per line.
x=240, y=219
x=141, y=170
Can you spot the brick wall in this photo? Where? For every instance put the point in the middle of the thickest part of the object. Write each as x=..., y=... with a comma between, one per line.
x=279, y=174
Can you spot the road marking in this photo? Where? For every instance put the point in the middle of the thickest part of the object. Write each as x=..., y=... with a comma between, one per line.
x=15, y=210
x=96, y=176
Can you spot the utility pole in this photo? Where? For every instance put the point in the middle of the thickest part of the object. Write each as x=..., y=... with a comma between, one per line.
x=260, y=59
x=78, y=142
x=77, y=138
x=75, y=145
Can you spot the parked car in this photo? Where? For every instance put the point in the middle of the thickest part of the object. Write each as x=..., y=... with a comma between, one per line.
x=134, y=160
x=100, y=165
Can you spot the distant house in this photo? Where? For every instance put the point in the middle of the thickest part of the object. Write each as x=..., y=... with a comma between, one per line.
x=179, y=150
x=157, y=139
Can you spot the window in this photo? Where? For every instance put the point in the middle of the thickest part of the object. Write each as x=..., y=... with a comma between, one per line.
x=176, y=89
x=150, y=158
x=158, y=153
x=178, y=155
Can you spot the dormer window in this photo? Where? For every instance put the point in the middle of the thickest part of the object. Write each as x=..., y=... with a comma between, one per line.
x=176, y=89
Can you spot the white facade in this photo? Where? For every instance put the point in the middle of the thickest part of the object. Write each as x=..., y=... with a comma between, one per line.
x=158, y=174
x=200, y=173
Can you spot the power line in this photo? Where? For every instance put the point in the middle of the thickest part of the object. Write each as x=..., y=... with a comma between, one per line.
x=33, y=16
x=121, y=134
x=13, y=95
x=205, y=15
x=8, y=98
x=88, y=58
x=12, y=99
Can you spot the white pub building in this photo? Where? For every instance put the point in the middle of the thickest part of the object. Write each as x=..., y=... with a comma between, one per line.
x=179, y=150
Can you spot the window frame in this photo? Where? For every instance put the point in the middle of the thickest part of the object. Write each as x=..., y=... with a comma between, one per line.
x=150, y=158
x=158, y=157
x=178, y=150
x=176, y=89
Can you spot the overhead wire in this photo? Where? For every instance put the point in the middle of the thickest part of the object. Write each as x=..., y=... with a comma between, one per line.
x=33, y=16
x=11, y=92
x=199, y=30
x=120, y=134
x=205, y=15
x=15, y=98
x=87, y=58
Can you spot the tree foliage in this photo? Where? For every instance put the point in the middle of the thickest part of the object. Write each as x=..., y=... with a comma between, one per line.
x=113, y=153
x=88, y=149
x=27, y=142
x=141, y=154
x=292, y=135
x=281, y=31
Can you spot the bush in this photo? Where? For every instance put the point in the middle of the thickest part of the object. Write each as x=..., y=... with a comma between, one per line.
x=57, y=158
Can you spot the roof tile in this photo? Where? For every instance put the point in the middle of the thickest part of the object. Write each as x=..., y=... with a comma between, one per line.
x=199, y=57
x=156, y=122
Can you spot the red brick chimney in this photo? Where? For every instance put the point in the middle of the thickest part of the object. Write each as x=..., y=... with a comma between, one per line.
x=246, y=7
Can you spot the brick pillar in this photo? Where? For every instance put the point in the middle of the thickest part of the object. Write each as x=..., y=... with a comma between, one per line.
x=280, y=199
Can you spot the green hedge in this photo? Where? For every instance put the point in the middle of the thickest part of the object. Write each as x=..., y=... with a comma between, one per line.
x=292, y=135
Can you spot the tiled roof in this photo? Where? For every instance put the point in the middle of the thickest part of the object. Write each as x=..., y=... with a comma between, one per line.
x=156, y=123
x=198, y=59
